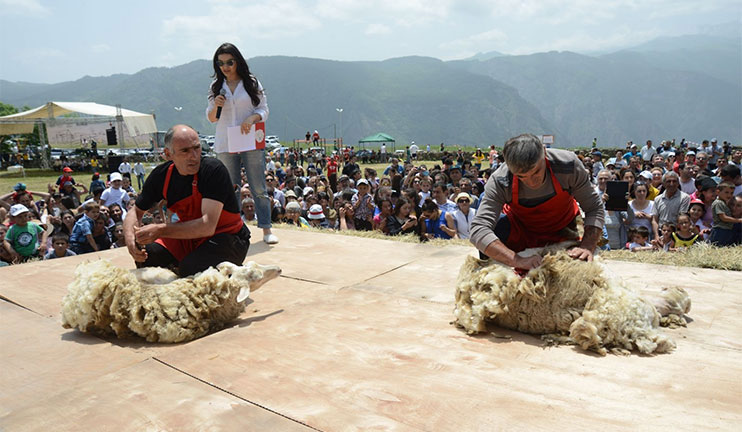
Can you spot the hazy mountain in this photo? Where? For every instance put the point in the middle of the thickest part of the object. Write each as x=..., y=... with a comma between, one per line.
x=413, y=98
x=630, y=95
x=719, y=57
x=670, y=87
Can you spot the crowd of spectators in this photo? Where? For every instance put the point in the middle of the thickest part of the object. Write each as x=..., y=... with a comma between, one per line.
x=67, y=219
x=678, y=195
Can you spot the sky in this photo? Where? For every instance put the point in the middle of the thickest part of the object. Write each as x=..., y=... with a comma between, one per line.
x=45, y=41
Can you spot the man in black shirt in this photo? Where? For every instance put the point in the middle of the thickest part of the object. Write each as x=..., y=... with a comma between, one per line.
x=209, y=228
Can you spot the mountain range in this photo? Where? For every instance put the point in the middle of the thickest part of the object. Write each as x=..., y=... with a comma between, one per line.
x=683, y=87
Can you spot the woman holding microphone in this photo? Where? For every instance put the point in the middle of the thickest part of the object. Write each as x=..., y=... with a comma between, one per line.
x=239, y=99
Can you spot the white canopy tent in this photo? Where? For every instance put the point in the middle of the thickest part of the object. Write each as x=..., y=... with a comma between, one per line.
x=69, y=112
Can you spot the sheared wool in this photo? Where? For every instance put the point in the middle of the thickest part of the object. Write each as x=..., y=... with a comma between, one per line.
x=153, y=303
x=568, y=301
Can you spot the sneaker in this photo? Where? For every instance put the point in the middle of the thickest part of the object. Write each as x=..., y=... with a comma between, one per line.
x=270, y=239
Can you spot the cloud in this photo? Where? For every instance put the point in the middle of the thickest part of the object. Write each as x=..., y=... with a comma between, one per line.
x=378, y=29
x=227, y=20
x=584, y=41
x=100, y=48
x=50, y=52
x=484, y=41
x=23, y=7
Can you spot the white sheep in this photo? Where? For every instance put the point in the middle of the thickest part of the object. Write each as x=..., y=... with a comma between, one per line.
x=153, y=303
x=564, y=297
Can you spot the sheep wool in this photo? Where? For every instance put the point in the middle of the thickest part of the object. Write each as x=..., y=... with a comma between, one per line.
x=567, y=301
x=153, y=303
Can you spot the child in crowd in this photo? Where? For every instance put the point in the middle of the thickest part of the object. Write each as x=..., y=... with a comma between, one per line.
x=118, y=235
x=317, y=217
x=363, y=206
x=27, y=239
x=60, y=247
x=380, y=219
x=665, y=240
x=722, y=232
x=425, y=184
x=684, y=237
x=6, y=255
x=696, y=211
x=737, y=213
x=640, y=240
x=82, y=234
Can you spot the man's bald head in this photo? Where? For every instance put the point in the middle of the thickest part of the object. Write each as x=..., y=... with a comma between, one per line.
x=180, y=132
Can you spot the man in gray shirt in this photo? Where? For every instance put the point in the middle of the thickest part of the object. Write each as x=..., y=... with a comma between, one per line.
x=670, y=203
x=536, y=189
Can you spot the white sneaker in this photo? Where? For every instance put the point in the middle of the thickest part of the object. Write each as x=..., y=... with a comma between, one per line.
x=270, y=239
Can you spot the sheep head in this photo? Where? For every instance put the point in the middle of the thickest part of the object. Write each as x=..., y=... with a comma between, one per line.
x=251, y=276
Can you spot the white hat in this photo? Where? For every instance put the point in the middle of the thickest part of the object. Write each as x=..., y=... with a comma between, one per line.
x=307, y=190
x=362, y=181
x=646, y=174
x=713, y=140
x=17, y=209
x=315, y=212
x=116, y=176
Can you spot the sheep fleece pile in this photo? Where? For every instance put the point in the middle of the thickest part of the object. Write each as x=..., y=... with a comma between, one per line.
x=562, y=297
x=155, y=304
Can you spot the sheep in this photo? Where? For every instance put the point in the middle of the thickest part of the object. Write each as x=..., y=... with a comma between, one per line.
x=564, y=297
x=153, y=303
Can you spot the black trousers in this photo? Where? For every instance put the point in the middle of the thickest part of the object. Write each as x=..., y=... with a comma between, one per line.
x=214, y=251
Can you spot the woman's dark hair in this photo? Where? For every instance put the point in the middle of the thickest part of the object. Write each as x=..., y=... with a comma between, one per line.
x=400, y=202
x=248, y=80
x=429, y=205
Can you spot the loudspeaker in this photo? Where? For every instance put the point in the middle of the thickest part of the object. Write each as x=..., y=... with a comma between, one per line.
x=111, y=136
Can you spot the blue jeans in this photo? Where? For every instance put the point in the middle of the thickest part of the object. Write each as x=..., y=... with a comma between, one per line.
x=254, y=163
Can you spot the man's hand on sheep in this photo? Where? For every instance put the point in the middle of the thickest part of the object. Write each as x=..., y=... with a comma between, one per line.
x=588, y=244
x=147, y=234
x=135, y=249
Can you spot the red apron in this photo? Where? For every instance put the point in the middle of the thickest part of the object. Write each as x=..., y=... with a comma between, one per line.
x=543, y=224
x=189, y=208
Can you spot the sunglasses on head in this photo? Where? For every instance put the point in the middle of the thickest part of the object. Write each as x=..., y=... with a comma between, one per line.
x=229, y=63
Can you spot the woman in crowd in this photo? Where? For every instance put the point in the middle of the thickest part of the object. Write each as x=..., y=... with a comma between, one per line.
x=628, y=176
x=644, y=210
x=402, y=220
x=239, y=99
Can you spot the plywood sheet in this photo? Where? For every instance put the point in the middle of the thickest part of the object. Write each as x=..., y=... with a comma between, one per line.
x=333, y=259
x=351, y=359
x=39, y=357
x=145, y=396
x=41, y=285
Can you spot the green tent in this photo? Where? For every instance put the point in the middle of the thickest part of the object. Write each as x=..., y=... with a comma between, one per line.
x=377, y=140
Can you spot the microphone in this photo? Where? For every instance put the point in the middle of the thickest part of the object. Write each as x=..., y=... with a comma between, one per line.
x=222, y=92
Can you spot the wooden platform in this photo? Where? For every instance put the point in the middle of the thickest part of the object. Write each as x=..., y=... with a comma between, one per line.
x=356, y=335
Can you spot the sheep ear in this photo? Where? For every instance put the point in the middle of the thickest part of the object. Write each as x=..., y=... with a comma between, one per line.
x=243, y=295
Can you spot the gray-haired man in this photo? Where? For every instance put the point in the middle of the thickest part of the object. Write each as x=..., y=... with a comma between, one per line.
x=537, y=190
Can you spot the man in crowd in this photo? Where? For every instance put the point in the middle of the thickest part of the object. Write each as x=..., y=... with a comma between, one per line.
x=673, y=201
x=125, y=168
x=210, y=229
x=687, y=181
x=537, y=190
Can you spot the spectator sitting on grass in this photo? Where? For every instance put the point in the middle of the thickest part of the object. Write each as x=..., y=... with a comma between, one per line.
x=363, y=206
x=248, y=212
x=317, y=217
x=28, y=239
x=293, y=215
x=6, y=254
x=640, y=240
x=433, y=223
x=60, y=247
